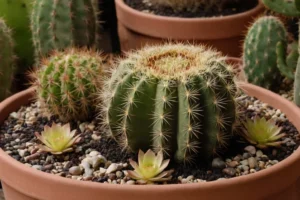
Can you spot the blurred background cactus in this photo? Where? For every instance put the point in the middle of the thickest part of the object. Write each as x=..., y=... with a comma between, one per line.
x=286, y=62
x=67, y=82
x=260, y=58
x=7, y=60
x=16, y=13
x=57, y=25
x=176, y=98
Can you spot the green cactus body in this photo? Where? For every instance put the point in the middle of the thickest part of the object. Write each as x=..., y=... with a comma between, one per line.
x=67, y=81
x=260, y=58
x=175, y=98
x=6, y=60
x=16, y=14
x=62, y=24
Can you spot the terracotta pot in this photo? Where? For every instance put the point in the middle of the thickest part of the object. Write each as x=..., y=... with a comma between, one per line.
x=276, y=183
x=224, y=33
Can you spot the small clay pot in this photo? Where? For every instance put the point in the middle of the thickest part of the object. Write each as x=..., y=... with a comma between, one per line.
x=136, y=29
x=278, y=182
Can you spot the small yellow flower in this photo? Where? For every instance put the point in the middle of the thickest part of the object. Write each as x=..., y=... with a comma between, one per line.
x=150, y=168
x=57, y=139
x=262, y=133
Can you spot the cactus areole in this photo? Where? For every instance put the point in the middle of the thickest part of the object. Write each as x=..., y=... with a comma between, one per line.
x=176, y=98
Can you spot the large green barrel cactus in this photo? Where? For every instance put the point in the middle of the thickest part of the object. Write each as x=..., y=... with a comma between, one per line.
x=7, y=59
x=62, y=24
x=175, y=98
x=16, y=14
x=260, y=58
x=67, y=82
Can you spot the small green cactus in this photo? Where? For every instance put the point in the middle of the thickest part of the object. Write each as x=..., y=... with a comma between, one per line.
x=260, y=58
x=67, y=82
x=176, y=98
x=57, y=25
x=7, y=60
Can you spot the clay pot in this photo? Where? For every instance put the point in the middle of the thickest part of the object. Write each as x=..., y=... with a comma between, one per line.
x=279, y=182
x=223, y=33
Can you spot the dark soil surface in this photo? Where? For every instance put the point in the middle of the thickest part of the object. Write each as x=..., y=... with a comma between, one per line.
x=229, y=9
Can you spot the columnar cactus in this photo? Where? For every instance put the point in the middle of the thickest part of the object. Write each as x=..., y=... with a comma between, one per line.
x=59, y=24
x=176, y=98
x=7, y=59
x=19, y=22
x=67, y=82
x=290, y=9
x=260, y=58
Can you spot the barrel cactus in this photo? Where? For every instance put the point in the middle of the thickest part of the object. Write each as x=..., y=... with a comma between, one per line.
x=260, y=58
x=62, y=24
x=67, y=82
x=179, y=99
x=7, y=60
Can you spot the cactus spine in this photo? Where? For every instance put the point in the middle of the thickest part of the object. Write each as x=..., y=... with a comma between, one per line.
x=7, y=59
x=175, y=98
x=67, y=83
x=260, y=58
x=59, y=24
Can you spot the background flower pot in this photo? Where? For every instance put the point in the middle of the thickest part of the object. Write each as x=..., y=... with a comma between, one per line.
x=279, y=182
x=224, y=33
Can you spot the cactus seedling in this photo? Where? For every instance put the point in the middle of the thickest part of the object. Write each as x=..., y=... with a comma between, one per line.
x=57, y=25
x=57, y=139
x=150, y=168
x=262, y=133
x=7, y=59
x=260, y=58
x=67, y=82
x=176, y=98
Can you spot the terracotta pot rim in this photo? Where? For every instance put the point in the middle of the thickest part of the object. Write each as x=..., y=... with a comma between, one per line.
x=127, y=8
x=292, y=159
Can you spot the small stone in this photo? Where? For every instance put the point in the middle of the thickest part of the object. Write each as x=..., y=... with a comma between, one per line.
x=244, y=162
x=264, y=158
x=189, y=178
x=47, y=167
x=94, y=153
x=291, y=143
x=22, y=152
x=233, y=164
x=246, y=155
x=112, y=176
x=96, y=137
x=97, y=160
x=32, y=157
x=130, y=182
x=252, y=171
x=261, y=164
x=250, y=149
x=76, y=170
x=245, y=168
x=112, y=168
x=238, y=158
x=38, y=167
x=102, y=171
x=274, y=162
x=218, y=163
x=119, y=174
x=252, y=162
x=229, y=171
x=259, y=153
